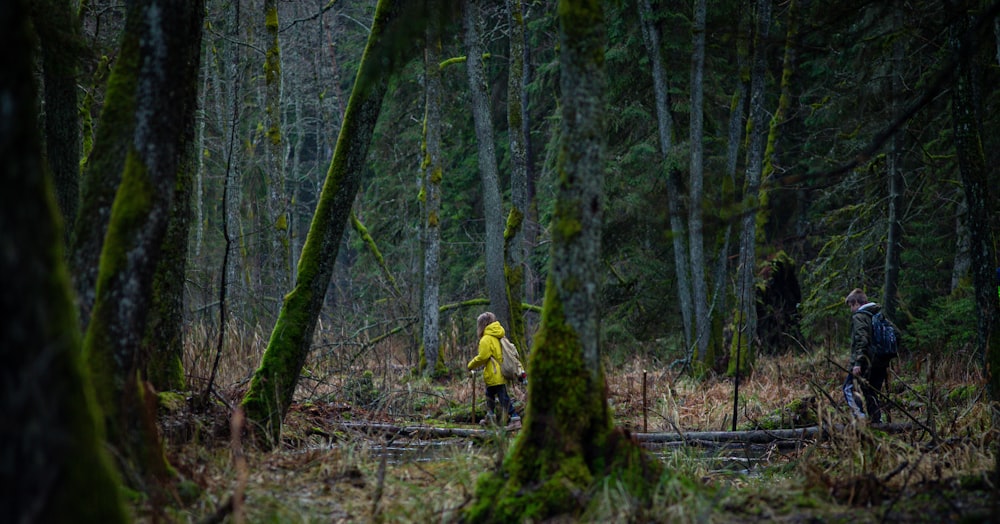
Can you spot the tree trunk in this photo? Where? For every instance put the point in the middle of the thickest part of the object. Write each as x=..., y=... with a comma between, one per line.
x=433, y=172
x=894, y=161
x=102, y=173
x=699, y=290
x=496, y=282
x=55, y=467
x=515, y=236
x=58, y=30
x=665, y=126
x=273, y=385
x=277, y=199
x=166, y=88
x=164, y=342
x=963, y=258
x=569, y=443
x=741, y=354
x=981, y=203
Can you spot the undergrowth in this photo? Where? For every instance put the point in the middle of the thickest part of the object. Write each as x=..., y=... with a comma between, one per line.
x=933, y=461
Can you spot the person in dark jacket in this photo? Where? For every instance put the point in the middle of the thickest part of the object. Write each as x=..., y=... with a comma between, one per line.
x=872, y=371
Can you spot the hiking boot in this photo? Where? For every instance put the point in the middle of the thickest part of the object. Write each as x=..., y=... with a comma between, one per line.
x=515, y=423
x=488, y=420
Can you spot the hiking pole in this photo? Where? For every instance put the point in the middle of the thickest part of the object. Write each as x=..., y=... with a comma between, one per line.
x=473, y=382
x=644, y=421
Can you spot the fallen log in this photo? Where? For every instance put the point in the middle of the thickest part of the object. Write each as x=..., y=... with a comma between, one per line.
x=695, y=438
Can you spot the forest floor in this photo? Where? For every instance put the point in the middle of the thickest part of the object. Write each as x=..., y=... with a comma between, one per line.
x=329, y=467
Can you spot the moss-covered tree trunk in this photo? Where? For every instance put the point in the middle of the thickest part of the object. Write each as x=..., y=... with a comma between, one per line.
x=430, y=195
x=569, y=443
x=166, y=93
x=279, y=260
x=102, y=172
x=745, y=323
x=53, y=464
x=58, y=31
x=515, y=237
x=272, y=388
x=496, y=281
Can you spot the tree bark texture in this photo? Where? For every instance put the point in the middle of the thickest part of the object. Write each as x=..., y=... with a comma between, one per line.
x=665, y=128
x=433, y=173
x=279, y=259
x=102, y=173
x=53, y=464
x=273, y=385
x=496, y=283
x=568, y=443
x=166, y=92
x=515, y=234
x=58, y=30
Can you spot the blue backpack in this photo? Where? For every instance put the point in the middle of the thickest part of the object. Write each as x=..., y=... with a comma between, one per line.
x=885, y=340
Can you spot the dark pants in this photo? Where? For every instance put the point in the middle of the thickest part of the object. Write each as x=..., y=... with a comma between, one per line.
x=499, y=393
x=874, y=378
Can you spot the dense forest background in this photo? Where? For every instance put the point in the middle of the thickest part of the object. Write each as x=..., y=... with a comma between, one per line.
x=855, y=94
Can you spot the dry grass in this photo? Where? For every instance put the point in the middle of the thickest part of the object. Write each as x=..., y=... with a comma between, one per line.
x=324, y=473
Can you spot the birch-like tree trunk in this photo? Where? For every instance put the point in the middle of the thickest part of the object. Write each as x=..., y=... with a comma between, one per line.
x=569, y=443
x=166, y=98
x=496, y=281
x=55, y=465
x=699, y=290
x=665, y=128
x=433, y=173
x=515, y=236
x=741, y=354
x=391, y=42
x=277, y=200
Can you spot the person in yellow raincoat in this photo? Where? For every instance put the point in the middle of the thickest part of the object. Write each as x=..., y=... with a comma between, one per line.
x=489, y=332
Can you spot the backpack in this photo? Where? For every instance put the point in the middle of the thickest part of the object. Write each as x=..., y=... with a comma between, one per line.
x=885, y=340
x=511, y=367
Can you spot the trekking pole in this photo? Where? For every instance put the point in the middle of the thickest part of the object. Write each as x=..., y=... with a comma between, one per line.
x=473, y=382
x=644, y=419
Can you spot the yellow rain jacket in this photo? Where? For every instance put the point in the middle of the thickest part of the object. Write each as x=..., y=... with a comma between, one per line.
x=489, y=346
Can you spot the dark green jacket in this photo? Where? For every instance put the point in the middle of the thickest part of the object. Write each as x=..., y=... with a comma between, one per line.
x=861, y=335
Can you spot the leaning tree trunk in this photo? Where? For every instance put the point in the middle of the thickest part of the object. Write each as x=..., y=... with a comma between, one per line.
x=273, y=385
x=515, y=237
x=569, y=443
x=665, y=125
x=741, y=354
x=58, y=30
x=54, y=464
x=166, y=96
x=496, y=282
x=433, y=172
x=102, y=172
